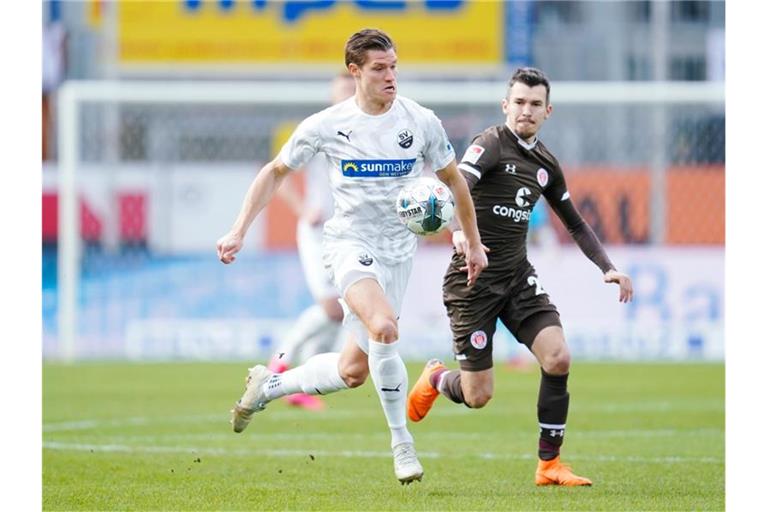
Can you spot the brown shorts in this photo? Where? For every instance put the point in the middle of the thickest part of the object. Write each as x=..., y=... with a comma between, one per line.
x=520, y=303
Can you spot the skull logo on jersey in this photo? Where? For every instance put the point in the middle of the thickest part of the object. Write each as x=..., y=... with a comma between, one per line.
x=405, y=139
x=520, y=197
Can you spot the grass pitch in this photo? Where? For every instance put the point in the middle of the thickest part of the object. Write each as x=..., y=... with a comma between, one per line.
x=156, y=437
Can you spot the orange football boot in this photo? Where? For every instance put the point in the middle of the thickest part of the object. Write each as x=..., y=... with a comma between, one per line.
x=554, y=472
x=423, y=395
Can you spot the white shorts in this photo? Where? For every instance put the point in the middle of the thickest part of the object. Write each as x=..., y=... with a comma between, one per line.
x=350, y=262
x=310, y=243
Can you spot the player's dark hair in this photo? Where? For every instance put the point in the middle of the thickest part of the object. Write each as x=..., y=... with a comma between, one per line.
x=530, y=77
x=360, y=42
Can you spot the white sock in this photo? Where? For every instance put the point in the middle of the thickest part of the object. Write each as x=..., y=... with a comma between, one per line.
x=311, y=321
x=440, y=381
x=318, y=376
x=391, y=380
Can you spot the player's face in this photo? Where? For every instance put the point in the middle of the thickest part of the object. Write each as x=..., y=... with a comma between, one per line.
x=378, y=76
x=342, y=88
x=526, y=109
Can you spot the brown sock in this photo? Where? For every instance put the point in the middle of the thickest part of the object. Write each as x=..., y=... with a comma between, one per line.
x=553, y=412
x=452, y=386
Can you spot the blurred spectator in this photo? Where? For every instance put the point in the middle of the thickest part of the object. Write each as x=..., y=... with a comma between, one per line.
x=54, y=64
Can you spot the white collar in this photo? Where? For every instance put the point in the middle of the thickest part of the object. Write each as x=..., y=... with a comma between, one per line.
x=522, y=142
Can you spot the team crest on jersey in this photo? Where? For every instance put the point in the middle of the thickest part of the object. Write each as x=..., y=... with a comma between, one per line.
x=405, y=139
x=479, y=340
x=473, y=154
x=365, y=259
x=542, y=176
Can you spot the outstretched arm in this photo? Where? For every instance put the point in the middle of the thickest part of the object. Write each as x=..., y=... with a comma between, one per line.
x=465, y=212
x=590, y=245
x=259, y=193
x=290, y=194
x=624, y=282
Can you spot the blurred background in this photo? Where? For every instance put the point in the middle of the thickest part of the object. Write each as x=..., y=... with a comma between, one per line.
x=157, y=115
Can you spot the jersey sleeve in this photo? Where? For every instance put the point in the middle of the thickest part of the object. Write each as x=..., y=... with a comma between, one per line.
x=438, y=150
x=559, y=199
x=480, y=157
x=303, y=144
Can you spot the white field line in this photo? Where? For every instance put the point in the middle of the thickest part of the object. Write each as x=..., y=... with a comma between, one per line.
x=95, y=424
x=431, y=434
x=331, y=414
x=118, y=448
x=334, y=414
x=613, y=408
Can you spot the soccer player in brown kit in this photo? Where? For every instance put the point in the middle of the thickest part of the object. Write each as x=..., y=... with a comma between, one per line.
x=507, y=169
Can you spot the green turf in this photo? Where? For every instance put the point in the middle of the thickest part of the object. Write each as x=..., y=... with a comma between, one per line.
x=156, y=437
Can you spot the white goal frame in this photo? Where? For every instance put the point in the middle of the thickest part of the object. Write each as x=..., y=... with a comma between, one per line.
x=74, y=93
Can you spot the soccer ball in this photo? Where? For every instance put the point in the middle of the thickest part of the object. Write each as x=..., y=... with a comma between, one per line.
x=425, y=206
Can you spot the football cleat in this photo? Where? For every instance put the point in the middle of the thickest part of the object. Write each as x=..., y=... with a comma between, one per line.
x=253, y=400
x=423, y=395
x=554, y=472
x=407, y=466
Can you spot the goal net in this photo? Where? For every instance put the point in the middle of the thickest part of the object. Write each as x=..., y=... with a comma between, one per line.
x=150, y=174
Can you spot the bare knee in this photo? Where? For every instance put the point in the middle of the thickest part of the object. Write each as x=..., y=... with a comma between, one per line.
x=353, y=365
x=477, y=398
x=353, y=374
x=383, y=329
x=558, y=362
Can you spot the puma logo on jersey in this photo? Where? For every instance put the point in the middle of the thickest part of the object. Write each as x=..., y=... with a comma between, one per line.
x=345, y=135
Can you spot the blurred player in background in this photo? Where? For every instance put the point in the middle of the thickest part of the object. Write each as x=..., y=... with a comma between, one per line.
x=540, y=231
x=375, y=143
x=507, y=169
x=319, y=326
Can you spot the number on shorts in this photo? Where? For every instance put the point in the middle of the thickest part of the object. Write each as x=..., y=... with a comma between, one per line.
x=534, y=281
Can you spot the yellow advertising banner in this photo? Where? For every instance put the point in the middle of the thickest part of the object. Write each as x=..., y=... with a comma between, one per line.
x=252, y=32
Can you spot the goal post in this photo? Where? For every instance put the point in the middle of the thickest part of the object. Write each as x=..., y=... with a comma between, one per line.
x=161, y=127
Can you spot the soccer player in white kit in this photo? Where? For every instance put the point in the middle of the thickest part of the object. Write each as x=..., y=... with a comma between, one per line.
x=319, y=326
x=375, y=142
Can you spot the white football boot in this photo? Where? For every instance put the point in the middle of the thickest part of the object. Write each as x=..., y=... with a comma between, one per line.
x=253, y=400
x=407, y=466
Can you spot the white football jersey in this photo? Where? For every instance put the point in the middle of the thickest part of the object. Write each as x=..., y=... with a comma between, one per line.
x=317, y=188
x=370, y=159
